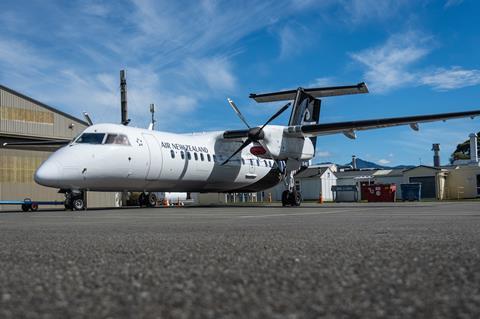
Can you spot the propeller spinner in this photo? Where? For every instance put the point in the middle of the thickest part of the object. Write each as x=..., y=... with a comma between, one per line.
x=254, y=134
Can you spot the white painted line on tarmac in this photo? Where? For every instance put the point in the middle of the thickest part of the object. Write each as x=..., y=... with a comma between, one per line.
x=303, y=214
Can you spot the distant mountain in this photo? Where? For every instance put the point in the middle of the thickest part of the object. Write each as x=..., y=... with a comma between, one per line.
x=362, y=164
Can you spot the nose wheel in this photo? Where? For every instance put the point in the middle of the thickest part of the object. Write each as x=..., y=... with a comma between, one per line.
x=149, y=200
x=75, y=201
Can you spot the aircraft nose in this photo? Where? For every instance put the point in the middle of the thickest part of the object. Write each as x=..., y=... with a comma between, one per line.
x=48, y=174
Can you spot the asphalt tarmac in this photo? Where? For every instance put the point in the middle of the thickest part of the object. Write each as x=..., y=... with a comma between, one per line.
x=404, y=260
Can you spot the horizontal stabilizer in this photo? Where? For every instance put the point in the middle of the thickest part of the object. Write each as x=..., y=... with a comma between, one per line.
x=315, y=92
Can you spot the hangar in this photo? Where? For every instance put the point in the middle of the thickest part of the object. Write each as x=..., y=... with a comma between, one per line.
x=24, y=119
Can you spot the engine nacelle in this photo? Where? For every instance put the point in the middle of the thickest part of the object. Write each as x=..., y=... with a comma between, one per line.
x=281, y=147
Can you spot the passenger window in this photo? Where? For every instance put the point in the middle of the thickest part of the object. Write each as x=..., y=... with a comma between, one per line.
x=196, y=156
x=182, y=154
x=265, y=162
x=172, y=153
x=214, y=158
x=90, y=138
x=118, y=139
x=243, y=161
x=189, y=156
x=258, y=162
x=251, y=162
x=201, y=157
x=208, y=157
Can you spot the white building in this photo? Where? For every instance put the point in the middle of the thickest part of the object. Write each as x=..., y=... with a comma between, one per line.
x=311, y=182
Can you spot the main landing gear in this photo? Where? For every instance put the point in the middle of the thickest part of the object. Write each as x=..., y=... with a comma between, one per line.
x=75, y=200
x=148, y=200
x=291, y=197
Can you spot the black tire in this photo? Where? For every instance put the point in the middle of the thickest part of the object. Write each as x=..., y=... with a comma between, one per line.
x=78, y=204
x=295, y=198
x=152, y=200
x=285, y=201
x=142, y=200
x=25, y=207
x=34, y=207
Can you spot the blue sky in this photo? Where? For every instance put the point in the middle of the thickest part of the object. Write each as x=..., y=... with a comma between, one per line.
x=417, y=57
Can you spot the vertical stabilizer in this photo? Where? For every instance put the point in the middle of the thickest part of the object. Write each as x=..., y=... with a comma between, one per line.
x=306, y=110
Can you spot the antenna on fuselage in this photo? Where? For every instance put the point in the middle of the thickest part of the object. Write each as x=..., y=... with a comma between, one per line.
x=123, y=97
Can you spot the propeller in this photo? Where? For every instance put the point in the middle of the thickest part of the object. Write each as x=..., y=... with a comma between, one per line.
x=256, y=133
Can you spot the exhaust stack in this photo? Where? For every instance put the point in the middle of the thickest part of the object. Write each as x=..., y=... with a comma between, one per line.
x=354, y=162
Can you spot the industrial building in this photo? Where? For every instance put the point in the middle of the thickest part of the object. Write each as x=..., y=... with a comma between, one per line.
x=24, y=119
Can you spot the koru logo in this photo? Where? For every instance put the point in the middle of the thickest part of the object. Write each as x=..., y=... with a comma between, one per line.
x=139, y=142
x=306, y=115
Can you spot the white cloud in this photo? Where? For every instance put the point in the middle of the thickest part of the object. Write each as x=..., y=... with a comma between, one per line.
x=388, y=65
x=452, y=3
x=362, y=11
x=393, y=65
x=323, y=154
x=321, y=82
x=383, y=161
x=292, y=40
x=453, y=78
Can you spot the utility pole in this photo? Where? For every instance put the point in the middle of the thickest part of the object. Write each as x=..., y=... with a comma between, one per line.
x=123, y=97
x=152, y=110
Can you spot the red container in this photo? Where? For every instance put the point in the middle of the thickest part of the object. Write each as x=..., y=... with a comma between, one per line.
x=380, y=192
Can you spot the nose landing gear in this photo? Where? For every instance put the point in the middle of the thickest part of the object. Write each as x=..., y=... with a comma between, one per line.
x=75, y=200
x=149, y=200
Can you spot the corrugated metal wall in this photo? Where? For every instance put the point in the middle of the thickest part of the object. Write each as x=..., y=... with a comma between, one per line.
x=25, y=118
x=22, y=117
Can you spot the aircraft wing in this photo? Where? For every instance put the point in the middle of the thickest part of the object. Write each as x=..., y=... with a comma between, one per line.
x=349, y=128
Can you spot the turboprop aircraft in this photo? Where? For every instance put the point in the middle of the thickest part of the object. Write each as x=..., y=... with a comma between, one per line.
x=116, y=157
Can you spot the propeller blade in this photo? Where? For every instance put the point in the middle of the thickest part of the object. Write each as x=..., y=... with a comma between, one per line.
x=274, y=116
x=237, y=111
x=245, y=144
x=87, y=118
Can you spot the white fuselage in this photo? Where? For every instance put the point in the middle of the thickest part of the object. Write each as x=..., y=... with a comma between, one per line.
x=156, y=161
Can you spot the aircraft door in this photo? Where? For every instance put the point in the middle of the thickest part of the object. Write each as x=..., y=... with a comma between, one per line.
x=155, y=157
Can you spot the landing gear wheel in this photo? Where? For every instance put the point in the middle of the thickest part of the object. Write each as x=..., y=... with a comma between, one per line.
x=285, y=201
x=34, y=207
x=78, y=204
x=142, y=200
x=25, y=207
x=152, y=200
x=295, y=198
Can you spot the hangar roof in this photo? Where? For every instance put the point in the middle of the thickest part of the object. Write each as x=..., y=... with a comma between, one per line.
x=48, y=107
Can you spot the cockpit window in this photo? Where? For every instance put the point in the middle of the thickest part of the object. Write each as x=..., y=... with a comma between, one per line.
x=90, y=138
x=117, y=139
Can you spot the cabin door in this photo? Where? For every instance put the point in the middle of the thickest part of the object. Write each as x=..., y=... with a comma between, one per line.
x=155, y=157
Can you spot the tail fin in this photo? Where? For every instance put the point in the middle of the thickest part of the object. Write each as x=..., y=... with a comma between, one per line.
x=306, y=110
